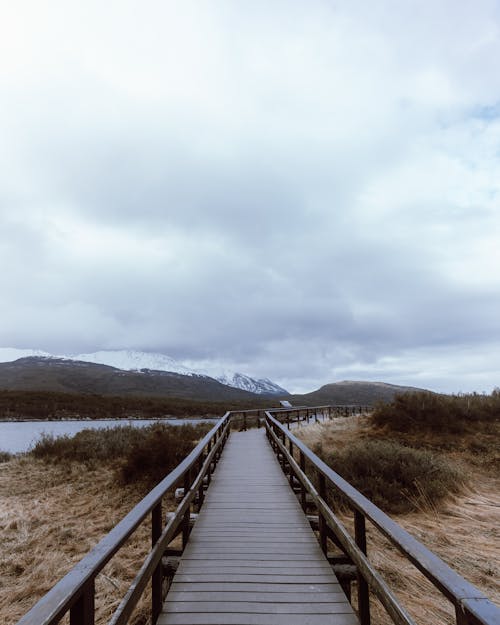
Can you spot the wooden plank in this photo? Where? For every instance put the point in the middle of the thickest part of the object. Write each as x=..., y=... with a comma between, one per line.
x=302, y=565
x=255, y=587
x=264, y=568
x=257, y=607
x=256, y=619
x=275, y=557
x=252, y=578
x=261, y=597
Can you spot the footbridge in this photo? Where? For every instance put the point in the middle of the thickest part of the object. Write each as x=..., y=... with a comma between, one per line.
x=255, y=540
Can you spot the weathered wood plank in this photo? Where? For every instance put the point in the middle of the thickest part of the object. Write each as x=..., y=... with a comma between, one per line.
x=255, y=587
x=252, y=578
x=256, y=619
x=257, y=607
x=261, y=597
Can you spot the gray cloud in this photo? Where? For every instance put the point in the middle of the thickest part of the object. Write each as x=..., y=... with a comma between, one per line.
x=304, y=193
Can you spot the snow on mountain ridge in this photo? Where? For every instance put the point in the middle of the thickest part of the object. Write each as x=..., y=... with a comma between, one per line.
x=9, y=354
x=245, y=382
x=130, y=360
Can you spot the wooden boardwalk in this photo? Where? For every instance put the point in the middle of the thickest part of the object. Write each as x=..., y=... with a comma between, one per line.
x=252, y=558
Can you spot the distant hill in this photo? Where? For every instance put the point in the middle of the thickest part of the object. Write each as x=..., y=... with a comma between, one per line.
x=133, y=360
x=351, y=392
x=68, y=376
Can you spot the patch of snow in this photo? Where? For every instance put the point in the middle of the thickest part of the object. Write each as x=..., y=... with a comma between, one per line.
x=130, y=360
x=10, y=354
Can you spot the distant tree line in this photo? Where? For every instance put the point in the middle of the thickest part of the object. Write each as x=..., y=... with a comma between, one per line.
x=43, y=405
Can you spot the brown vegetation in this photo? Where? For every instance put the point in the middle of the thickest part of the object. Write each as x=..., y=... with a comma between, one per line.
x=462, y=528
x=50, y=517
x=143, y=454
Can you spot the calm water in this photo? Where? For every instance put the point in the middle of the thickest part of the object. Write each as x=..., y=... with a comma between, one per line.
x=20, y=435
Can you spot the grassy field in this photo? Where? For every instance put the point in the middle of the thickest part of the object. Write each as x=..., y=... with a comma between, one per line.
x=57, y=502
x=461, y=525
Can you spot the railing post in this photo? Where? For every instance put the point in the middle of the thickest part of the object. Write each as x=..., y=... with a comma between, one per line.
x=83, y=611
x=291, y=475
x=187, y=514
x=363, y=589
x=321, y=518
x=200, y=487
x=302, y=464
x=156, y=580
x=209, y=470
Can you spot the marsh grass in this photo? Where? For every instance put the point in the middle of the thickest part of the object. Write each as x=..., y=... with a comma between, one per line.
x=144, y=454
x=462, y=529
x=431, y=412
x=395, y=477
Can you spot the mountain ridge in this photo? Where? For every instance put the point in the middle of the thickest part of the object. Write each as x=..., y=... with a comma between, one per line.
x=139, y=361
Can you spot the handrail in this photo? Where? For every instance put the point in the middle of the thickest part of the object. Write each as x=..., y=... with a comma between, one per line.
x=76, y=589
x=471, y=605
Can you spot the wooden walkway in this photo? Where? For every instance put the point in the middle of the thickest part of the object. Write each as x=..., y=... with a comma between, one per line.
x=252, y=558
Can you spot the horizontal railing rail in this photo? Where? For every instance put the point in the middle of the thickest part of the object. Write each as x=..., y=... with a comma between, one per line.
x=472, y=607
x=75, y=592
x=248, y=418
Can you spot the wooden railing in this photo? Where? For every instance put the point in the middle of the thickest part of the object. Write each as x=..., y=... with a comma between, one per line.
x=472, y=607
x=75, y=592
x=243, y=419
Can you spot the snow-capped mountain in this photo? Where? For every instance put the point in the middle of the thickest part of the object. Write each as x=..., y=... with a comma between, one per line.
x=245, y=382
x=130, y=360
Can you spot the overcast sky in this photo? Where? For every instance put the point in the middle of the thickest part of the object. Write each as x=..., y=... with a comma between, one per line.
x=307, y=191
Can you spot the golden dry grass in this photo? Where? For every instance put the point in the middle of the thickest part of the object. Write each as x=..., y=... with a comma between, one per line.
x=50, y=517
x=464, y=531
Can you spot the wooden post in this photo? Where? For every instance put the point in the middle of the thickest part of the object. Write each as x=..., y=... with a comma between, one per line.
x=156, y=580
x=363, y=589
x=302, y=464
x=201, y=493
x=321, y=519
x=187, y=514
x=83, y=611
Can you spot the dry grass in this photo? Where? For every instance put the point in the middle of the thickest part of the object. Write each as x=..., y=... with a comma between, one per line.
x=464, y=530
x=50, y=517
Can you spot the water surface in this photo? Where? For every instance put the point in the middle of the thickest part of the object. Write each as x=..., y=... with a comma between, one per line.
x=19, y=436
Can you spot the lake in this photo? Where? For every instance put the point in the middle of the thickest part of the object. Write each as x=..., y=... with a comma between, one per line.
x=18, y=436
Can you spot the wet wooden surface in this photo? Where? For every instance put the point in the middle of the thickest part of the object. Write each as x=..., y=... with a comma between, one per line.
x=252, y=558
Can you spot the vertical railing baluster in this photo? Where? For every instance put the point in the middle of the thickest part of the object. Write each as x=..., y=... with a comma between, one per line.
x=83, y=611
x=321, y=518
x=200, y=487
x=187, y=514
x=302, y=464
x=363, y=589
x=156, y=580
x=209, y=471
x=291, y=475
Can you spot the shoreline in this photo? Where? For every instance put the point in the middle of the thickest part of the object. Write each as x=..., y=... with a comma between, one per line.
x=91, y=420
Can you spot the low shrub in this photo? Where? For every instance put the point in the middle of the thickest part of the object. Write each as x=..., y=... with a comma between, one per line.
x=5, y=456
x=425, y=411
x=141, y=454
x=396, y=478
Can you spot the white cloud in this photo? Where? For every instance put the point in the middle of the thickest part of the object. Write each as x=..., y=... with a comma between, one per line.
x=299, y=190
